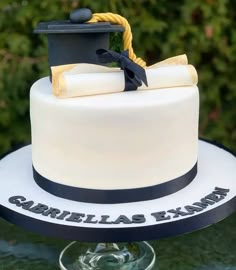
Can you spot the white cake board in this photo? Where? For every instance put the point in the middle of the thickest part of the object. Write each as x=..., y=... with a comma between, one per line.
x=216, y=168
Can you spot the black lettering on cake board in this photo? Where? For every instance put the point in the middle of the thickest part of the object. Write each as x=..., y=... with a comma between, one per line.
x=160, y=216
x=75, y=217
x=27, y=205
x=178, y=212
x=104, y=219
x=192, y=209
x=52, y=212
x=204, y=203
x=140, y=218
x=90, y=219
x=221, y=191
x=16, y=200
x=214, y=197
x=63, y=215
x=20, y=201
x=122, y=219
x=39, y=208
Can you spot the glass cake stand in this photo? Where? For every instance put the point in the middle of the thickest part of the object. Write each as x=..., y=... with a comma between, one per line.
x=108, y=256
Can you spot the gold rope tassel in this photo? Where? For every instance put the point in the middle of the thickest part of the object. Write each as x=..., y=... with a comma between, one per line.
x=127, y=35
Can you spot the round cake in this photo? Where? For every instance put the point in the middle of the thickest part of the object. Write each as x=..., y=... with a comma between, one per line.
x=121, y=141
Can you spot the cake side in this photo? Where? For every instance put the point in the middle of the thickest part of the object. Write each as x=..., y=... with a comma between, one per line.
x=116, y=141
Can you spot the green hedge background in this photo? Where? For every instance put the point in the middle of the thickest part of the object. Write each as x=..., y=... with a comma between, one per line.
x=205, y=30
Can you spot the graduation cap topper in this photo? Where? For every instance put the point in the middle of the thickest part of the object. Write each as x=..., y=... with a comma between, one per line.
x=85, y=39
x=81, y=39
x=76, y=40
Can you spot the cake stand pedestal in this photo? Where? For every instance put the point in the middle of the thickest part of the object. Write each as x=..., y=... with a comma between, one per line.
x=209, y=198
x=108, y=256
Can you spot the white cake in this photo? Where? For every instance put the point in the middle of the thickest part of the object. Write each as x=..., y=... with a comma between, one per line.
x=118, y=141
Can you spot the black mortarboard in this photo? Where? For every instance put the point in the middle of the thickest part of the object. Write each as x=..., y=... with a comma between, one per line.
x=74, y=40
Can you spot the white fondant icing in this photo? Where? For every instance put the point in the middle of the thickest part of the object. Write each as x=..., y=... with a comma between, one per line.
x=217, y=168
x=114, y=141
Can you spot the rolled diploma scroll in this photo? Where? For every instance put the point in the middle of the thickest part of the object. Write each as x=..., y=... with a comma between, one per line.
x=89, y=79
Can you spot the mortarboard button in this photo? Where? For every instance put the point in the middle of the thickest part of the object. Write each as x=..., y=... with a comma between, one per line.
x=81, y=15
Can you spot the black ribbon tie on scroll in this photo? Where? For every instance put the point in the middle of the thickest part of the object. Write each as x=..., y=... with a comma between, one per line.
x=135, y=75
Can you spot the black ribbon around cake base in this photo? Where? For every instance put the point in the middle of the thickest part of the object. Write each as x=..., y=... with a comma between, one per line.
x=117, y=195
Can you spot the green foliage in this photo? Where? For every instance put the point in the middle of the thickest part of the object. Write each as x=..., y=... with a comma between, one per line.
x=204, y=30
